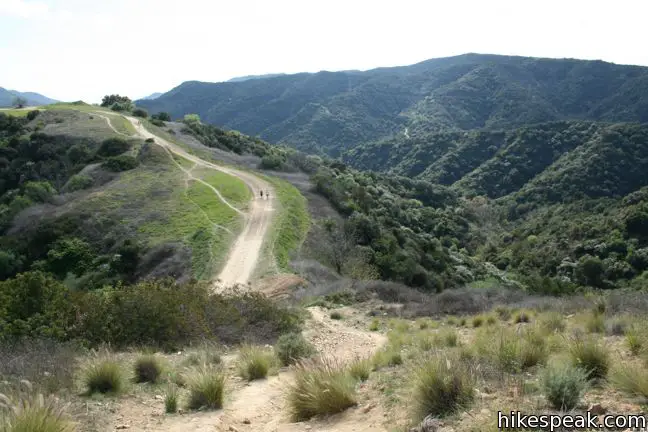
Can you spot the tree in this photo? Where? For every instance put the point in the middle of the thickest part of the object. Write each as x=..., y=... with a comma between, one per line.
x=336, y=246
x=110, y=100
x=191, y=119
x=162, y=116
x=70, y=255
x=113, y=147
x=19, y=102
x=140, y=112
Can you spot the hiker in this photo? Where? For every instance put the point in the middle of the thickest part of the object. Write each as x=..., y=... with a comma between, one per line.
x=261, y=192
x=268, y=194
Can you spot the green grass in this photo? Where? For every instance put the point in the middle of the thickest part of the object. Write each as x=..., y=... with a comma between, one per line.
x=15, y=112
x=291, y=222
x=206, y=388
x=256, y=363
x=234, y=190
x=103, y=376
x=33, y=413
x=121, y=124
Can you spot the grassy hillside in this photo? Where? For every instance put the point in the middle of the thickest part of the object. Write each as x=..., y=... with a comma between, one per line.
x=330, y=112
x=93, y=206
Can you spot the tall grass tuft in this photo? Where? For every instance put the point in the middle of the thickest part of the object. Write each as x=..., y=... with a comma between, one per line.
x=321, y=387
x=591, y=356
x=564, y=385
x=30, y=412
x=206, y=388
x=442, y=385
x=147, y=369
x=103, y=376
x=255, y=362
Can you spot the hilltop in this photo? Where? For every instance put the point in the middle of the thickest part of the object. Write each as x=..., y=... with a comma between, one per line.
x=330, y=112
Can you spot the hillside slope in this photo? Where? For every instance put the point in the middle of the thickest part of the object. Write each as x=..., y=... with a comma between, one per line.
x=329, y=112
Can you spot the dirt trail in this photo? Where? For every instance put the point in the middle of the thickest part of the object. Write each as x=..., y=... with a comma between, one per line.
x=244, y=253
x=260, y=406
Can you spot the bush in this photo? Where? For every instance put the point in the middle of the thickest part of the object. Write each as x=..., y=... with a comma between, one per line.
x=147, y=369
x=375, y=325
x=140, y=112
x=336, y=315
x=121, y=163
x=595, y=323
x=631, y=379
x=615, y=327
x=321, y=387
x=159, y=123
x=389, y=356
x=103, y=376
x=553, y=322
x=292, y=347
x=521, y=317
x=162, y=116
x=78, y=182
x=634, y=341
x=360, y=369
x=477, y=321
x=31, y=115
x=113, y=147
x=590, y=356
x=31, y=412
x=206, y=387
x=563, y=385
x=171, y=399
x=255, y=363
x=448, y=338
x=442, y=387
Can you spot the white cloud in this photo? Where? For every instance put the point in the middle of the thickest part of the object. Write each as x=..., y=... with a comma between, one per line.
x=22, y=8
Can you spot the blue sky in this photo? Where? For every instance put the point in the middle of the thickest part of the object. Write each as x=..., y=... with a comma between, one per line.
x=83, y=49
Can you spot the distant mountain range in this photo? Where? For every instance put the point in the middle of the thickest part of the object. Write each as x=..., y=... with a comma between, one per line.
x=7, y=98
x=253, y=77
x=152, y=96
x=332, y=112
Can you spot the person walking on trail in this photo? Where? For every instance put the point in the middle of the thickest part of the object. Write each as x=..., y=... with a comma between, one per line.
x=267, y=194
x=261, y=192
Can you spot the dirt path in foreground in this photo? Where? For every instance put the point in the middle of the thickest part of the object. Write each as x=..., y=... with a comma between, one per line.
x=260, y=406
x=245, y=252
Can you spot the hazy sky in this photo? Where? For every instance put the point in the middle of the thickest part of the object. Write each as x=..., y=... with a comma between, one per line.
x=83, y=49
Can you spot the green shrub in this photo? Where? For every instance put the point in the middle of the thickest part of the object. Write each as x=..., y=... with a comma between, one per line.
x=448, y=338
x=206, y=388
x=360, y=369
x=335, y=315
x=321, y=387
x=162, y=116
x=616, y=327
x=120, y=163
x=78, y=182
x=442, y=386
x=140, y=112
x=113, y=147
x=389, y=356
x=522, y=317
x=255, y=363
x=553, y=322
x=171, y=399
x=595, y=323
x=592, y=357
x=375, y=325
x=634, y=341
x=103, y=376
x=292, y=347
x=159, y=123
x=631, y=379
x=147, y=369
x=33, y=413
x=477, y=321
x=563, y=385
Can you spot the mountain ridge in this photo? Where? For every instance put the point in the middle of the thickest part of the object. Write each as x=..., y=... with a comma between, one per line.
x=7, y=98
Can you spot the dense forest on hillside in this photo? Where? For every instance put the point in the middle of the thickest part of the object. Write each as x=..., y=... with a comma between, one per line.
x=330, y=112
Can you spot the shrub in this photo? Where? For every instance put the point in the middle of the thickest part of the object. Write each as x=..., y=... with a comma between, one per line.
x=206, y=387
x=448, y=338
x=31, y=115
x=521, y=317
x=533, y=349
x=336, y=315
x=78, y=182
x=159, y=123
x=33, y=413
x=490, y=320
x=389, y=356
x=375, y=325
x=162, y=116
x=477, y=321
x=595, y=323
x=121, y=163
x=503, y=312
x=103, y=376
x=631, y=379
x=140, y=112
x=442, y=387
x=147, y=369
x=292, y=347
x=171, y=399
x=113, y=147
x=321, y=387
x=634, y=341
x=255, y=363
x=203, y=356
x=563, y=385
x=360, y=369
x=553, y=322
x=615, y=327
x=590, y=356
